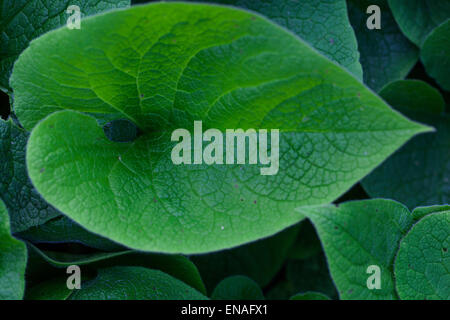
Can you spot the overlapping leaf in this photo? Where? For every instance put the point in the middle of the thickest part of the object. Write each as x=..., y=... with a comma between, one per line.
x=163, y=66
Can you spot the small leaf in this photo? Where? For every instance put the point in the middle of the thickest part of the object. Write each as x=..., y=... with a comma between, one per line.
x=310, y=296
x=237, y=288
x=417, y=18
x=357, y=235
x=135, y=283
x=226, y=67
x=25, y=205
x=435, y=54
x=422, y=266
x=24, y=20
x=13, y=260
x=386, y=55
x=418, y=173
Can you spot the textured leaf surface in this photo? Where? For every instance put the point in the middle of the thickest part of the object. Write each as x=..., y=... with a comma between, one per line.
x=23, y=20
x=322, y=23
x=13, y=259
x=386, y=54
x=422, y=266
x=177, y=266
x=163, y=66
x=435, y=54
x=417, y=18
x=135, y=283
x=417, y=174
x=357, y=235
x=260, y=260
x=63, y=230
x=237, y=288
x=25, y=205
x=420, y=212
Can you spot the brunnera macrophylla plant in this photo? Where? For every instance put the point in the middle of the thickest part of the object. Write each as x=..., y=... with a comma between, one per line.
x=173, y=129
x=228, y=68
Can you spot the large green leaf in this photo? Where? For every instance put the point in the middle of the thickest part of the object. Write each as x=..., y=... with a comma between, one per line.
x=237, y=288
x=13, y=260
x=260, y=260
x=323, y=24
x=422, y=266
x=163, y=66
x=435, y=54
x=417, y=18
x=359, y=234
x=386, y=55
x=177, y=266
x=417, y=174
x=25, y=205
x=23, y=20
x=135, y=283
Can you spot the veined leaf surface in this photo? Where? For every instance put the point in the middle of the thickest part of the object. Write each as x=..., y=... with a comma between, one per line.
x=164, y=65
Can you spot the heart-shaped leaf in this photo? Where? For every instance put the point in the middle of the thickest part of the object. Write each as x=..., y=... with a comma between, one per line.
x=13, y=260
x=23, y=20
x=417, y=18
x=164, y=66
x=422, y=266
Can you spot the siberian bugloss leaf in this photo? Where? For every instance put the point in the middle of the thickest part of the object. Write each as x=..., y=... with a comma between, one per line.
x=357, y=235
x=163, y=66
x=422, y=265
